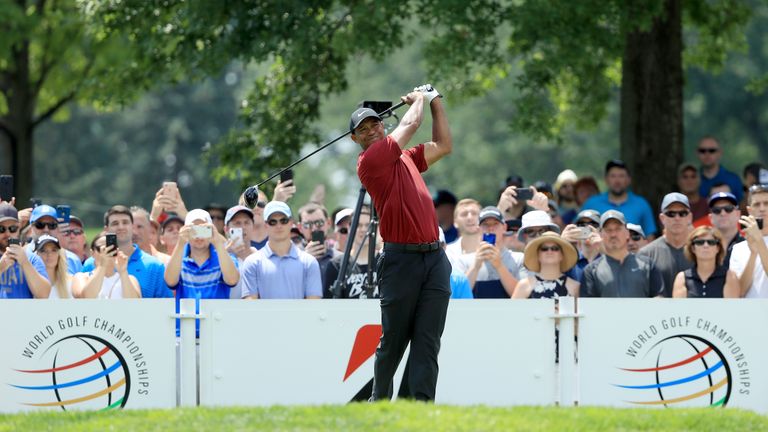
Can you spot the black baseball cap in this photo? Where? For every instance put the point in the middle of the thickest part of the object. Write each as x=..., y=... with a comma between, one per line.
x=359, y=115
x=614, y=163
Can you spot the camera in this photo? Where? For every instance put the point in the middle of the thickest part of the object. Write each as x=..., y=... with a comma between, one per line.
x=378, y=106
x=524, y=194
x=202, y=231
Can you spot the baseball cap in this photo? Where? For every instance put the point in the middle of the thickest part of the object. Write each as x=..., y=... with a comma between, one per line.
x=612, y=214
x=234, y=211
x=722, y=195
x=566, y=175
x=491, y=212
x=8, y=212
x=536, y=218
x=686, y=166
x=674, y=197
x=44, y=239
x=342, y=214
x=171, y=217
x=590, y=214
x=76, y=220
x=444, y=197
x=277, y=207
x=636, y=228
x=43, y=210
x=198, y=214
x=613, y=163
x=359, y=115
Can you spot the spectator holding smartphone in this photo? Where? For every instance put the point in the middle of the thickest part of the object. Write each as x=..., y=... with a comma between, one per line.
x=200, y=266
x=110, y=278
x=749, y=259
x=22, y=274
x=44, y=220
x=314, y=224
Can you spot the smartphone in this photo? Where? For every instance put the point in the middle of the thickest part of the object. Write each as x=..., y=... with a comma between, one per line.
x=286, y=175
x=524, y=194
x=6, y=187
x=759, y=223
x=489, y=238
x=318, y=236
x=201, y=231
x=236, y=234
x=63, y=213
x=169, y=188
x=584, y=232
x=34, y=202
x=111, y=240
x=14, y=241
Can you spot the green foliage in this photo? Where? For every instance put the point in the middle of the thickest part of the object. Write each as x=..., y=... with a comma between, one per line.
x=400, y=416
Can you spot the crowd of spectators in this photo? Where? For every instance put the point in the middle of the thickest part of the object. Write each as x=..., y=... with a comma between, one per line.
x=707, y=239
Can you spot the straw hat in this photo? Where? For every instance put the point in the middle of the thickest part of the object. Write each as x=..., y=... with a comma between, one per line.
x=532, y=252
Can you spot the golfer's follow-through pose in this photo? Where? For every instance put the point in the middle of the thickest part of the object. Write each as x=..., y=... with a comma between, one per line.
x=413, y=271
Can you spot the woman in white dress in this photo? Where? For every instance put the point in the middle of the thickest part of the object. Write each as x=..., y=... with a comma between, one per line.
x=110, y=278
x=49, y=250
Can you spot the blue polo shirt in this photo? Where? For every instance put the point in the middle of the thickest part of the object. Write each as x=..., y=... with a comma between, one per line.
x=202, y=281
x=13, y=284
x=635, y=208
x=294, y=276
x=722, y=176
x=149, y=271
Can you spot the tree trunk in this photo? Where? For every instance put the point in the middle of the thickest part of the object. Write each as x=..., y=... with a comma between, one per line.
x=652, y=103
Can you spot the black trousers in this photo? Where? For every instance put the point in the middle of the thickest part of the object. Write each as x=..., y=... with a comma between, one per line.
x=415, y=289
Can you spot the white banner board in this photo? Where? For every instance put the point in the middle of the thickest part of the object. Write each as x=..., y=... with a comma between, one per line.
x=495, y=352
x=673, y=353
x=87, y=355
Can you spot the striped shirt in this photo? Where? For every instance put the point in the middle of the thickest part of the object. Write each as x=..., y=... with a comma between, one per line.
x=202, y=281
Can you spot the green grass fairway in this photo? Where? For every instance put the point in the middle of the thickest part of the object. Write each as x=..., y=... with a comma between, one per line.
x=401, y=416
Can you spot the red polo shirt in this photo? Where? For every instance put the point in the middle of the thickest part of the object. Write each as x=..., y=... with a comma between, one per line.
x=393, y=179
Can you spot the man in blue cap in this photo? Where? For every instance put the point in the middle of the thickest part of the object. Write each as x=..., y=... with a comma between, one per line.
x=44, y=220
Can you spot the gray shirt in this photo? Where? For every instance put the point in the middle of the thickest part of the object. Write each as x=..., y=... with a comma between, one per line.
x=636, y=276
x=668, y=260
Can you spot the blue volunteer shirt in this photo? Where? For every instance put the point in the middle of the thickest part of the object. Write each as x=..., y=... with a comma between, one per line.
x=460, y=288
x=636, y=209
x=723, y=176
x=13, y=284
x=202, y=281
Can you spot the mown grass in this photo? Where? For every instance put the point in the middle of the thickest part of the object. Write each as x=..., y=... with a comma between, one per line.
x=400, y=416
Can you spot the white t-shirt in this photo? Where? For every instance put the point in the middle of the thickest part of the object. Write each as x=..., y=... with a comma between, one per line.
x=55, y=292
x=111, y=287
x=739, y=258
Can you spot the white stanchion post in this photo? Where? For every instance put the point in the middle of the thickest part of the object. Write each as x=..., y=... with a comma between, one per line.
x=188, y=381
x=567, y=352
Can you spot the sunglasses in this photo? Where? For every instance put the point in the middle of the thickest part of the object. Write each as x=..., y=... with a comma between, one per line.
x=635, y=237
x=72, y=232
x=707, y=150
x=535, y=233
x=586, y=224
x=317, y=224
x=343, y=230
x=702, y=242
x=50, y=225
x=553, y=248
x=281, y=221
x=728, y=209
x=11, y=229
x=672, y=213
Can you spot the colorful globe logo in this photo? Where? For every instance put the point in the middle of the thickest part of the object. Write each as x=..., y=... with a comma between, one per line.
x=687, y=371
x=86, y=372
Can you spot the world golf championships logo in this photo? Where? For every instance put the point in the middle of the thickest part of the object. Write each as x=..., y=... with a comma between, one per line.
x=85, y=371
x=688, y=370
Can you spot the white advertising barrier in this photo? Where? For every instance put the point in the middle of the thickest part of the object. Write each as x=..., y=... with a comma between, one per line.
x=497, y=352
x=673, y=353
x=87, y=355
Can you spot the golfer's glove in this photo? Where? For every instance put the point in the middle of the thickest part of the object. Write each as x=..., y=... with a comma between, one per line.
x=429, y=92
